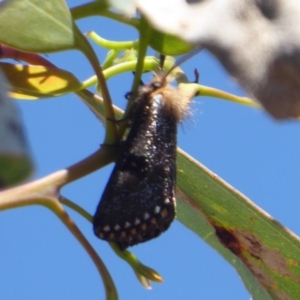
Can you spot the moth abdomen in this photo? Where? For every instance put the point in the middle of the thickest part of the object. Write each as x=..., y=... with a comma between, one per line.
x=145, y=226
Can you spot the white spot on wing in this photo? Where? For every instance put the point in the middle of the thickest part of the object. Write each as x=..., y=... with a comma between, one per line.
x=127, y=224
x=106, y=228
x=146, y=216
x=157, y=209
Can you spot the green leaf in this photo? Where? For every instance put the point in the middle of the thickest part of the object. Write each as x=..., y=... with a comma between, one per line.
x=169, y=44
x=265, y=254
x=38, y=26
x=44, y=26
x=14, y=169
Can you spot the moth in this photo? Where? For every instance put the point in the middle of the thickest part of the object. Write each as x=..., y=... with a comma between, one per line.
x=138, y=203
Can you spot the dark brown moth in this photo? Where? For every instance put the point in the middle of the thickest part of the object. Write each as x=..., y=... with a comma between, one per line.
x=138, y=203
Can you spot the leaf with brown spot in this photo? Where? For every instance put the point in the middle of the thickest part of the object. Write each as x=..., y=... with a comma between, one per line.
x=264, y=253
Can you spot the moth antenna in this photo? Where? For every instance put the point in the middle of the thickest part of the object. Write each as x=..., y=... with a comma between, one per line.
x=184, y=58
x=197, y=76
x=162, y=61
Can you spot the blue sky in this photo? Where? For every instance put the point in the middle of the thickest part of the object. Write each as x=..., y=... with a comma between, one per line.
x=244, y=146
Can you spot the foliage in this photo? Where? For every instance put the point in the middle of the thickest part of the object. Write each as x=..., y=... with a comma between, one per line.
x=259, y=248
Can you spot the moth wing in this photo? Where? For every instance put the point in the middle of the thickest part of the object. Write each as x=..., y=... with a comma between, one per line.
x=138, y=202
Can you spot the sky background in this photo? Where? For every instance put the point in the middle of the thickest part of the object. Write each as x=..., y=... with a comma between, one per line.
x=258, y=156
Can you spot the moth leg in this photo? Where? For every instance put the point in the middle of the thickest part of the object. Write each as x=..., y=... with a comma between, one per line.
x=110, y=145
x=141, y=81
x=118, y=122
x=130, y=95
